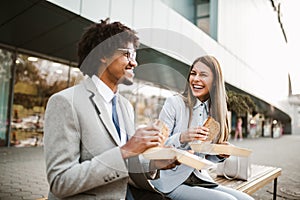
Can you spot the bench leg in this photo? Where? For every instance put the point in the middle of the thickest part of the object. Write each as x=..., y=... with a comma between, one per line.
x=275, y=189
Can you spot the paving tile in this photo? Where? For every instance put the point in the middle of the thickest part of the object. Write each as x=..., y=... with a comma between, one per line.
x=23, y=169
x=22, y=193
x=12, y=198
x=4, y=194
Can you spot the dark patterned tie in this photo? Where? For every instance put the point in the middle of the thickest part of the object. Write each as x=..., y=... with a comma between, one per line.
x=115, y=116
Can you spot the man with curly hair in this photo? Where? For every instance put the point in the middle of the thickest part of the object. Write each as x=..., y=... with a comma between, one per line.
x=92, y=149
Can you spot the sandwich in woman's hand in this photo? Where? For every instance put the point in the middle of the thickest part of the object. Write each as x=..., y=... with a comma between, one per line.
x=214, y=128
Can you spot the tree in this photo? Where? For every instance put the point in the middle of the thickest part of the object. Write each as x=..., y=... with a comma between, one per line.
x=239, y=103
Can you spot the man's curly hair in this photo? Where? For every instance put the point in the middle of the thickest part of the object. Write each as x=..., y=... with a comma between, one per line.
x=104, y=38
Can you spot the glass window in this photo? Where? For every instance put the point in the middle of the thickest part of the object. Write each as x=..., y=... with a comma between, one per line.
x=6, y=62
x=203, y=15
x=36, y=80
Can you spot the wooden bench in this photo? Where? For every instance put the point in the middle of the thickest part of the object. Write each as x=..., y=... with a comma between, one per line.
x=260, y=176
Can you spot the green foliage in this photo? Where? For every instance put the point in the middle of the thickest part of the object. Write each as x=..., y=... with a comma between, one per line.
x=240, y=103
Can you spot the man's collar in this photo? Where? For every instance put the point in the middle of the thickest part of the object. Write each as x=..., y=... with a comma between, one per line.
x=103, y=89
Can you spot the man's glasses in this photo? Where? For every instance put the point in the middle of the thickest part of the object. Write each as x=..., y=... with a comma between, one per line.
x=130, y=53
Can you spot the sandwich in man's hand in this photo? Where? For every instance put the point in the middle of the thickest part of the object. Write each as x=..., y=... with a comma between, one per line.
x=163, y=129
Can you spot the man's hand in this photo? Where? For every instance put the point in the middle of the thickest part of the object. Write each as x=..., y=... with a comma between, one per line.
x=163, y=164
x=144, y=138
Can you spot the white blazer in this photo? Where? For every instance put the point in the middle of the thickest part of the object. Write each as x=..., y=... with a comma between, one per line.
x=176, y=114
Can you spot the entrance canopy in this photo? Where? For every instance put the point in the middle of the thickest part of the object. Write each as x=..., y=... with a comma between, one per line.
x=46, y=30
x=41, y=27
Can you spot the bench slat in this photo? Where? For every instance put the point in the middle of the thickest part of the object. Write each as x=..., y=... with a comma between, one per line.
x=260, y=182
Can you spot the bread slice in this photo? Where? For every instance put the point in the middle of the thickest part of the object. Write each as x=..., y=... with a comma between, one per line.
x=214, y=128
x=163, y=129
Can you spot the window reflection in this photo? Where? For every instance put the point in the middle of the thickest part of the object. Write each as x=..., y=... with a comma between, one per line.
x=36, y=80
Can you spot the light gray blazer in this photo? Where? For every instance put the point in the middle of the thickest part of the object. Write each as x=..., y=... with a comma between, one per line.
x=176, y=115
x=81, y=146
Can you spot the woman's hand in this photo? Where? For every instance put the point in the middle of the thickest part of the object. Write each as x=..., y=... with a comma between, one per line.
x=192, y=134
x=224, y=155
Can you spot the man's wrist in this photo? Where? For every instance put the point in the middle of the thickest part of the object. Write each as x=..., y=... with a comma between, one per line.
x=125, y=153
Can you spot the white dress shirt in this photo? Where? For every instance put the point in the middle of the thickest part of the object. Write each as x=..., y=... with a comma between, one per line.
x=108, y=95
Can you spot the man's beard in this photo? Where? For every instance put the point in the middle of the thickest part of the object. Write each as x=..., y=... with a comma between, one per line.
x=127, y=78
x=126, y=81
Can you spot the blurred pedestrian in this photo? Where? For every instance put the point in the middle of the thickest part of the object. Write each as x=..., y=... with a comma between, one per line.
x=238, y=129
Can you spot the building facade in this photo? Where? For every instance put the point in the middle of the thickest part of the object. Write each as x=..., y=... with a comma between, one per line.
x=245, y=36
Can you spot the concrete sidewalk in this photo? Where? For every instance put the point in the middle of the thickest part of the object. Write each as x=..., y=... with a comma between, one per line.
x=22, y=170
x=280, y=152
x=22, y=173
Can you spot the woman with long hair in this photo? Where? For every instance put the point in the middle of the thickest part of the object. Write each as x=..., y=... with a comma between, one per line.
x=184, y=115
